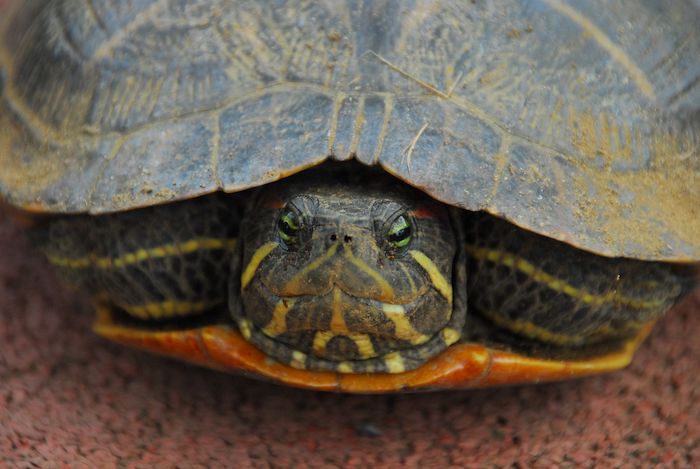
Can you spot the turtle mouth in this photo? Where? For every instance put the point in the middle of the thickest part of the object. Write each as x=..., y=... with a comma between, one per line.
x=341, y=332
x=345, y=315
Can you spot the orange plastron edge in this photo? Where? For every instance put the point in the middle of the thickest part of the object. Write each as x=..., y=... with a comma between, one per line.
x=461, y=366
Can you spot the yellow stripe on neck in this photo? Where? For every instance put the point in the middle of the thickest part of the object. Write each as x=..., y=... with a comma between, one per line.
x=533, y=331
x=509, y=260
x=140, y=255
x=168, y=309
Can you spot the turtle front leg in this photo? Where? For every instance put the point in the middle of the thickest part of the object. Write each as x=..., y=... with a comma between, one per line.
x=155, y=263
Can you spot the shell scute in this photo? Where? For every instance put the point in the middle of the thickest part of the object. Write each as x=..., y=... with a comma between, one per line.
x=595, y=142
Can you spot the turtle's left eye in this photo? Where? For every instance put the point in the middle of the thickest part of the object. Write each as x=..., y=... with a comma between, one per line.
x=288, y=226
x=400, y=231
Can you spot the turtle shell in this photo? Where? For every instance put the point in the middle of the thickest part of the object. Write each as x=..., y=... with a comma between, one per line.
x=581, y=123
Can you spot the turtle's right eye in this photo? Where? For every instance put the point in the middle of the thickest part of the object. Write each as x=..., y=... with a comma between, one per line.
x=288, y=226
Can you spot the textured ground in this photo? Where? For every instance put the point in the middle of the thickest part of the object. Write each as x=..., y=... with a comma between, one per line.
x=70, y=399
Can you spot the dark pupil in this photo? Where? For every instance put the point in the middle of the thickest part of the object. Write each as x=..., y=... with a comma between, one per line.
x=402, y=233
x=285, y=226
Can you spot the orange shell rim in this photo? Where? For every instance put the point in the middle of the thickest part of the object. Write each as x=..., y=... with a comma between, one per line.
x=462, y=366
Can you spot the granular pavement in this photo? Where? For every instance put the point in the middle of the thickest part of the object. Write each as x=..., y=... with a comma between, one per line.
x=69, y=399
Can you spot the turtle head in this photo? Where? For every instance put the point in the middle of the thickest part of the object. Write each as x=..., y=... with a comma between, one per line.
x=351, y=276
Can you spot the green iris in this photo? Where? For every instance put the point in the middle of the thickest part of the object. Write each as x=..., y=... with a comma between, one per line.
x=400, y=232
x=288, y=226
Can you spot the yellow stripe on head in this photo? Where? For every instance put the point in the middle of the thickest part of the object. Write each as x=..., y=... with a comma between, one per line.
x=294, y=283
x=387, y=291
x=252, y=267
x=409, y=277
x=438, y=280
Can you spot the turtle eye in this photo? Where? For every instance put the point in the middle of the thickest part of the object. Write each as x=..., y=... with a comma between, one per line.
x=288, y=226
x=400, y=231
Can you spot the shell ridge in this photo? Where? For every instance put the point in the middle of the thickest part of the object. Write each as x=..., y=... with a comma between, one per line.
x=125, y=31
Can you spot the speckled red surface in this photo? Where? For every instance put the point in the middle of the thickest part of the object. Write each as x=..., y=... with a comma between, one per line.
x=69, y=399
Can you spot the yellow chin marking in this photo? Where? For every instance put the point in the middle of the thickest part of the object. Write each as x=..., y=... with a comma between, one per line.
x=321, y=339
x=450, y=336
x=438, y=280
x=387, y=291
x=509, y=260
x=140, y=255
x=402, y=326
x=295, y=283
x=278, y=323
x=252, y=267
x=338, y=324
x=394, y=363
x=364, y=345
x=167, y=309
x=246, y=328
x=298, y=360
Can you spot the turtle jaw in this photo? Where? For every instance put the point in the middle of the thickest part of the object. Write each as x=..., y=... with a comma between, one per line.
x=344, y=315
x=341, y=332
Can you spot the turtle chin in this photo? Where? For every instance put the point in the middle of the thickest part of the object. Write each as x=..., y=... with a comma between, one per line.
x=341, y=332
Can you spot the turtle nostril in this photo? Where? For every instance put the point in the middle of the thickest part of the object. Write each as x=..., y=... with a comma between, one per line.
x=348, y=239
x=333, y=237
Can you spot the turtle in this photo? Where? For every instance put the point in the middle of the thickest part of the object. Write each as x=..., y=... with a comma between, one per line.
x=361, y=196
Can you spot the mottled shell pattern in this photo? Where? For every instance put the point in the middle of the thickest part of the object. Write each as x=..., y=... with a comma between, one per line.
x=578, y=125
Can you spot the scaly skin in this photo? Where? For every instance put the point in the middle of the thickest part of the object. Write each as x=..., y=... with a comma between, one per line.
x=339, y=297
